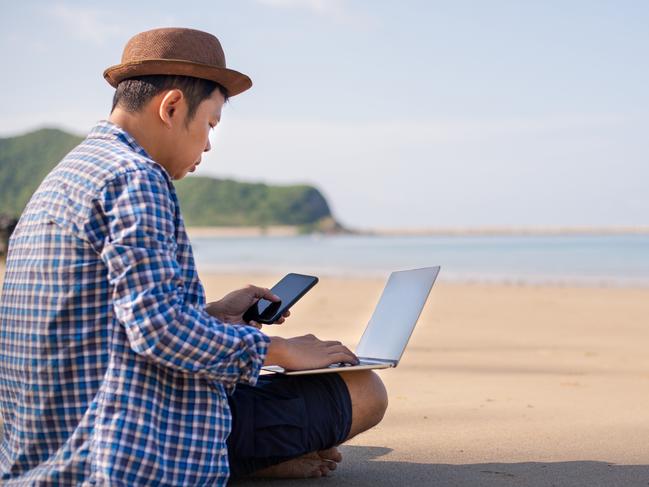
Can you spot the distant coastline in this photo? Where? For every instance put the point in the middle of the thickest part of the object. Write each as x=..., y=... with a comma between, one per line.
x=290, y=231
x=511, y=231
x=270, y=231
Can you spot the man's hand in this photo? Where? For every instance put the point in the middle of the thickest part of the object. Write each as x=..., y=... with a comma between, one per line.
x=231, y=308
x=307, y=352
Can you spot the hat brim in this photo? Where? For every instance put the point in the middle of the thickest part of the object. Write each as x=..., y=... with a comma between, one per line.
x=233, y=81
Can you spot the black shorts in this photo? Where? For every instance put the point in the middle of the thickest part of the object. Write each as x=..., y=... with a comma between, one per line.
x=284, y=417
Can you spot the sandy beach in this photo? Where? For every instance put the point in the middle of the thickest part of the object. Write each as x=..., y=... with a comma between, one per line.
x=500, y=385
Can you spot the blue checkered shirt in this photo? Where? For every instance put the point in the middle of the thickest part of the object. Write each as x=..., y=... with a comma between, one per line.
x=111, y=371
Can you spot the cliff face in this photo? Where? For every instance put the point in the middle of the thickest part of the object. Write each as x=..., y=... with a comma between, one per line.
x=26, y=159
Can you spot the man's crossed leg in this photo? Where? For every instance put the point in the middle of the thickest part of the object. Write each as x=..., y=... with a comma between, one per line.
x=289, y=426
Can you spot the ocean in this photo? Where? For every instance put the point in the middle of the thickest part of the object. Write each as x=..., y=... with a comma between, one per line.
x=612, y=260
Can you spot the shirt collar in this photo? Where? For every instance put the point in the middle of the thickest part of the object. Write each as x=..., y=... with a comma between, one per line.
x=109, y=131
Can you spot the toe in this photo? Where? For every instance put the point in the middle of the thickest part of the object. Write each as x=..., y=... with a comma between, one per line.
x=332, y=454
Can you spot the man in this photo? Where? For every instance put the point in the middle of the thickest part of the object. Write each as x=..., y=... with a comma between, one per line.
x=113, y=369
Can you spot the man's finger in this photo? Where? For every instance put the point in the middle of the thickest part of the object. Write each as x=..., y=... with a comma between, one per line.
x=341, y=349
x=259, y=292
x=265, y=293
x=343, y=358
x=282, y=318
x=337, y=347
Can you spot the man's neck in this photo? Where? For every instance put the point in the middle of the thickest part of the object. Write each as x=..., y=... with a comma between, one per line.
x=140, y=129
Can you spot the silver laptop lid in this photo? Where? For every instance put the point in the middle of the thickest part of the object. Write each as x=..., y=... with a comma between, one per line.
x=396, y=315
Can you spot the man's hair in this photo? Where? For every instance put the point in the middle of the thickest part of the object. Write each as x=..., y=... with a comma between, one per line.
x=133, y=93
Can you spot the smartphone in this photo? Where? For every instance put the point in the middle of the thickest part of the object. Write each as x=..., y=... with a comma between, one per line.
x=291, y=288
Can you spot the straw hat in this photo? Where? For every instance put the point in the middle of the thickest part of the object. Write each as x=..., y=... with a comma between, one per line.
x=176, y=51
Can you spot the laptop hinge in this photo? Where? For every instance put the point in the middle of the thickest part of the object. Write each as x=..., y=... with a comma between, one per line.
x=378, y=360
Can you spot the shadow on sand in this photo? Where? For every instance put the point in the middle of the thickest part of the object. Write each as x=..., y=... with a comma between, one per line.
x=362, y=466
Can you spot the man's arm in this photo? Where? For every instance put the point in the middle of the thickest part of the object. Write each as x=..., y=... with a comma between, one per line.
x=139, y=251
x=299, y=353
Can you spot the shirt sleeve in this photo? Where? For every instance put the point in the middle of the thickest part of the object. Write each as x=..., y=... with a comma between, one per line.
x=139, y=251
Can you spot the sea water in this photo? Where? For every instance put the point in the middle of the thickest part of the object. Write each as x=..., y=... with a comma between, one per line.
x=617, y=260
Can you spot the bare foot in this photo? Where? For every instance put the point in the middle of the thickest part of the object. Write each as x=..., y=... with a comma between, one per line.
x=311, y=465
x=332, y=455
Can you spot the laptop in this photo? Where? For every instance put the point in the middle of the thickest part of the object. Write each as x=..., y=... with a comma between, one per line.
x=393, y=321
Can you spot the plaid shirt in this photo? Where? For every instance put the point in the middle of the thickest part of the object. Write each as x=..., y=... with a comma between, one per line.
x=111, y=371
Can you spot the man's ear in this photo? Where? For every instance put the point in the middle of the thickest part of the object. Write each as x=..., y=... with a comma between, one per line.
x=170, y=107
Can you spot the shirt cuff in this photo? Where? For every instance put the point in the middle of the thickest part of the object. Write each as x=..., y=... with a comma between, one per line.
x=254, y=348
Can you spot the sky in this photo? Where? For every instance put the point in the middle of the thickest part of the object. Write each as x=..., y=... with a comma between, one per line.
x=404, y=114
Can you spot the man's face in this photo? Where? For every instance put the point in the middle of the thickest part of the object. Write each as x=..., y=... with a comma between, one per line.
x=191, y=139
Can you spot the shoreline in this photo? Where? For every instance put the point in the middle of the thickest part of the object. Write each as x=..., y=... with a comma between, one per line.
x=234, y=232
x=292, y=231
x=517, y=283
x=270, y=276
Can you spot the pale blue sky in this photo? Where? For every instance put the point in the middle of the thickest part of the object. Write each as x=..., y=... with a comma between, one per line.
x=405, y=114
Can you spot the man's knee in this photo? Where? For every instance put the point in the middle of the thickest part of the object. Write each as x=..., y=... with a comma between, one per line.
x=369, y=400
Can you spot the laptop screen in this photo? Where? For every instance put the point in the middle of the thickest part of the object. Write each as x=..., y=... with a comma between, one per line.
x=396, y=314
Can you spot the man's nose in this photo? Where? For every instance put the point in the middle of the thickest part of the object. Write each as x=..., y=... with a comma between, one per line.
x=208, y=146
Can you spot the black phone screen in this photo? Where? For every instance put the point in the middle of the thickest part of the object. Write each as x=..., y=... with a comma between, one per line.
x=291, y=288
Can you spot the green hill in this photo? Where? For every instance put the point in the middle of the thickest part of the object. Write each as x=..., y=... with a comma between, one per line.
x=26, y=159
x=208, y=201
x=24, y=162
